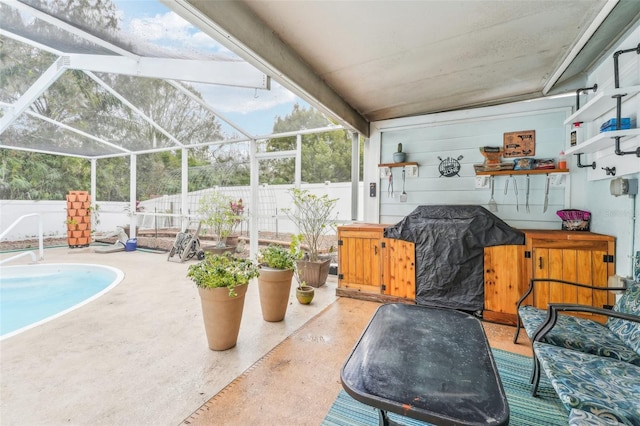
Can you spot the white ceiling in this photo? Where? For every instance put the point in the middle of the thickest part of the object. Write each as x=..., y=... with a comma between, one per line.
x=374, y=60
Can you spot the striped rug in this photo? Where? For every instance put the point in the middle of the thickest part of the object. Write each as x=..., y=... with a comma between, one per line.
x=514, y=371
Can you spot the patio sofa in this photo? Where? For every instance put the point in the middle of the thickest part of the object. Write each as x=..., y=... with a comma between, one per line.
x=594, y=368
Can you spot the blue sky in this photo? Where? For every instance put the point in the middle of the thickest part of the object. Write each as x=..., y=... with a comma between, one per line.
x=253, y=110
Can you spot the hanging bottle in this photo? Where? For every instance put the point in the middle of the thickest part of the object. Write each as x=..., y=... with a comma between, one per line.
x=576, y=133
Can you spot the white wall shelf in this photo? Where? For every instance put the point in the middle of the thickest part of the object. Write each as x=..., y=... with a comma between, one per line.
x=601, y=141
x=599, y=104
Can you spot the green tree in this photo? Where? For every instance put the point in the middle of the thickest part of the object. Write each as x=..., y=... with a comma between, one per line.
x=325, y=156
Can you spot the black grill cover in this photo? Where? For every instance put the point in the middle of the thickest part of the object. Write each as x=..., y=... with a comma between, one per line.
x=449, y=244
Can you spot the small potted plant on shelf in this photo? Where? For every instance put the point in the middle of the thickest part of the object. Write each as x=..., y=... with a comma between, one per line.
x=314, y=217
x=276, y=264
x=399, y=156
x=222, y=281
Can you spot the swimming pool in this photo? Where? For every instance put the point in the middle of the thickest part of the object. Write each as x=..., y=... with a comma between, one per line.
x=31, y=295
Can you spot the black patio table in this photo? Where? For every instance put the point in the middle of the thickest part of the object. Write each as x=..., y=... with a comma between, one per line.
x=430, y=364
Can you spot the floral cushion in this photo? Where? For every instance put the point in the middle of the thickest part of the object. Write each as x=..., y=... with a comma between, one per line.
x=591, y=383
x=583, y=418
x=628, y=331
x=582, y=335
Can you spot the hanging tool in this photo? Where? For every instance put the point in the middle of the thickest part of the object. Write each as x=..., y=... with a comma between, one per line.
x=403, y=196
x=527, y=199
x=515, y=190
x=546, y=194
x=390, y=187
x=493, y=206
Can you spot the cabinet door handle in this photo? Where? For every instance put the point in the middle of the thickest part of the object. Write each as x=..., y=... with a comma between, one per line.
x=375, y=250
x=540, y=262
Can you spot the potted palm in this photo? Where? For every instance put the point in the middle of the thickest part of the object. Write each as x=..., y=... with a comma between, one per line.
x=276, y=264
x=314, y=217
x=222, y=281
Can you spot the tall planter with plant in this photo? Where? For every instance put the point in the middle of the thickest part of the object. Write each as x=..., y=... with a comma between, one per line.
x=276, y=265
x=222, y=282
x=314, y=216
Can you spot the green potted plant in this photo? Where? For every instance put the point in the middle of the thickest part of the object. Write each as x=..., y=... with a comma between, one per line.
x=314, y=215
x=222, y=281
x=304, y=293
x=276, y=264
x=217, y=215
x=399, y=156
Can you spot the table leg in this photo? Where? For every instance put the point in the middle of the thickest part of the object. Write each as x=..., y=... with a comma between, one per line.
x=384, y=420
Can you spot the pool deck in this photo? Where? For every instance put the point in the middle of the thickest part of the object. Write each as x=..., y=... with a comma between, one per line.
x=136, y=355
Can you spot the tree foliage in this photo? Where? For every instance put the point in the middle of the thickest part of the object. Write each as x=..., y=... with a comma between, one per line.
x=325, y=156
x=76, y=100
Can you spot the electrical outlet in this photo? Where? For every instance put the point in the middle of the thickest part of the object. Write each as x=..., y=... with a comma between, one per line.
x=482, y=182
x=385, y=172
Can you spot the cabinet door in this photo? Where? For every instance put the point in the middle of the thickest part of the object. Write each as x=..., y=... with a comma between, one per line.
x=582, y=266
x=360, y=264
x=399, y=268
x=505, y=280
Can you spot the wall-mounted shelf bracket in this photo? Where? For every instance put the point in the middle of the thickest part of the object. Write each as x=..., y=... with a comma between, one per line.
x=618, y=151
x=593, y=88
x=582, y=166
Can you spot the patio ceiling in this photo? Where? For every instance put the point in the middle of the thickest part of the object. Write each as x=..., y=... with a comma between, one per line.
x=377, y=60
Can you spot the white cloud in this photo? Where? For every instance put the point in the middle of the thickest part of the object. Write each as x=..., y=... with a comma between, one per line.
x=171, y=31
x=241, y=100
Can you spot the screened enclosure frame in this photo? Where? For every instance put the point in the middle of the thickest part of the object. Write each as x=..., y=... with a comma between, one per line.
x=75, y=48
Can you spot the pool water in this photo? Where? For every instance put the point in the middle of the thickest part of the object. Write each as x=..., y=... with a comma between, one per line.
x=33, y=294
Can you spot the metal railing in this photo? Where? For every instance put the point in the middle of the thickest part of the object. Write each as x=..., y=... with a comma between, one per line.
x=28, y=253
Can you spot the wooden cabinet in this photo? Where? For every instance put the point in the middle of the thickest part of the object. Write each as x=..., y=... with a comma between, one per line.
x=582, y=257
x=373, y=267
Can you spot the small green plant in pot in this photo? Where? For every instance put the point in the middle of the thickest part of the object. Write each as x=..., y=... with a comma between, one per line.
x=399, y=156
x=222, y=282
x=304, y=293
x=276, y=265
x=314, y=216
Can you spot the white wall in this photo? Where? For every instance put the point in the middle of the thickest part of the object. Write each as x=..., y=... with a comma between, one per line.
x=426, y=138
x=614, y=215
x=113, y=214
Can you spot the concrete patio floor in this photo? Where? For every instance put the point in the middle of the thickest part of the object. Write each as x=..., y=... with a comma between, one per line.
x=138, y=354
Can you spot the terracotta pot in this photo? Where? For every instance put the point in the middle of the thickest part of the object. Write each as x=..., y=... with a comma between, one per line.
x=274, y=286
x=313, y=274
x=305, y=294
x=222, y=315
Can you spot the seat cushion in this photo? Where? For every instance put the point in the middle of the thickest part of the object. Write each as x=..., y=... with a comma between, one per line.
x=627, y=331
x=592, y=383
x=579, y=334
x=583, y=418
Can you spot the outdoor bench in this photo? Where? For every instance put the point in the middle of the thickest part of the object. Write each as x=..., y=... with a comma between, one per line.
x=596, y=383
x=585, y=335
